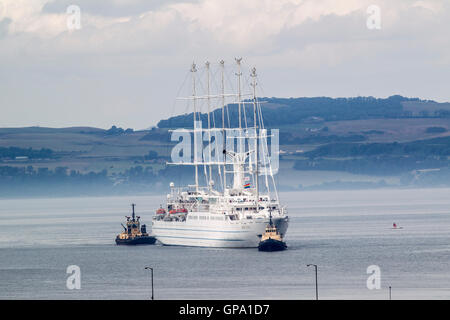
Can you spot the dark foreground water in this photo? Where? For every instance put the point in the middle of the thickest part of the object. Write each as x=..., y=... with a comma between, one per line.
x=343, y=232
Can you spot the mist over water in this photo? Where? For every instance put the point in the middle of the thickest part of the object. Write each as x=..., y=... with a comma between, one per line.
x=343, y=232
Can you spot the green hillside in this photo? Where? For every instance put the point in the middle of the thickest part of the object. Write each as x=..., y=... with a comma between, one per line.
x=279, y=112
x=324, y=143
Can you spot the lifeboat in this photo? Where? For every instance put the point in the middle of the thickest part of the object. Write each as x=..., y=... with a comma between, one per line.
x=182, y=210
x=160, y=211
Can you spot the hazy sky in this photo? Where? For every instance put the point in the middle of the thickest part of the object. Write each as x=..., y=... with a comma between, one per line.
x=130, y=57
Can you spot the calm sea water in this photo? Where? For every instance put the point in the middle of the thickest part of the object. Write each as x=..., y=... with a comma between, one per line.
x=343, y=232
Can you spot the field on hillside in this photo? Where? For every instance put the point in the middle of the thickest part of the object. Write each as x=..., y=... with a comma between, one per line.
x=390, y=130
x=88, y=142
x=83, y=149
x=358, y=153
x=86, y=149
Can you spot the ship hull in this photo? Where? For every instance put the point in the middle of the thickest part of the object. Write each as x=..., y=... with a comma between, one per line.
x=137, y=240
x=226, y=234
x=270, y=245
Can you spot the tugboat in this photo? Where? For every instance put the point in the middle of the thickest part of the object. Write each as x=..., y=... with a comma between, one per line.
x=134, y=233
x=271, y=239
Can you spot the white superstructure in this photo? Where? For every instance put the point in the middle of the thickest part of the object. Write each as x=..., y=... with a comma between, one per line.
x=235, y=214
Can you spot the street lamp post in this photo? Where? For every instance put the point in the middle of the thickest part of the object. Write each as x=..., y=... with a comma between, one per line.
x=317, y=289
x=151, y=269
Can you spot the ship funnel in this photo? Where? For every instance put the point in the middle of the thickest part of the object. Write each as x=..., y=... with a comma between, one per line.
x=133, y=205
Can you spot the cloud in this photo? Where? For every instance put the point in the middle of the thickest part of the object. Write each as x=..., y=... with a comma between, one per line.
x=220, y=24
x=136, y=53
x=242, y=24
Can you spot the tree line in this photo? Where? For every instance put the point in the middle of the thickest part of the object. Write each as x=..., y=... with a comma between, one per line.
x=285, y=111
x=13, y=152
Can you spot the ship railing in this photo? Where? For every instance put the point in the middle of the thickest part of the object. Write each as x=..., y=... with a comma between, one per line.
x=201, y=207
x=191, y=189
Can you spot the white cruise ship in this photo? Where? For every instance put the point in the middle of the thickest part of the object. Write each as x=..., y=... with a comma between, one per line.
x=234, y=212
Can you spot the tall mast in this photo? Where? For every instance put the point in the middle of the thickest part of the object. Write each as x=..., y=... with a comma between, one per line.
x=240, y=143
x=209, y=125
x=222, y=64
x=239, y=74
x=253, y=75
x=193, y=71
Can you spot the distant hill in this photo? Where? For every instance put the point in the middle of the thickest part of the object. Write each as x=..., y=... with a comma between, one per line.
x=426, y=108
x=41, y=130
x=278, y=112
x=395, y=141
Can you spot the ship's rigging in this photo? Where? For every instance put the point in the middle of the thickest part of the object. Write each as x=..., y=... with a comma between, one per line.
x=250, y=134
